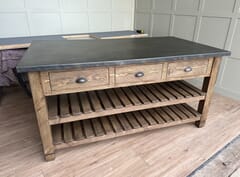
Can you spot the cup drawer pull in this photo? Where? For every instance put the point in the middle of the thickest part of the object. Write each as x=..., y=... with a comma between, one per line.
x=81, y=80
x=139, y=74
x=188, y=69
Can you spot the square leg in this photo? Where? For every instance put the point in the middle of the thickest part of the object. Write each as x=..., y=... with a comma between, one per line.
x=208, y=88
x=41, y=110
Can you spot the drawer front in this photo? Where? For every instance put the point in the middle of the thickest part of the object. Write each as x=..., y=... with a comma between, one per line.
x=138, y=74
x=79, y=80
x=189, y=68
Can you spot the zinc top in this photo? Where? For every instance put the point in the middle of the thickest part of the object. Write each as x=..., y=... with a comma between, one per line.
x=65, y=54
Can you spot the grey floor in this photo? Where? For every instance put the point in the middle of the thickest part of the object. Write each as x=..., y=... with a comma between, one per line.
x=225, y=163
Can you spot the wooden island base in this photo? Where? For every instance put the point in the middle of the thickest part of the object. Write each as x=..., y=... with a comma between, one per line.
x=91, y=100
x=83, y=117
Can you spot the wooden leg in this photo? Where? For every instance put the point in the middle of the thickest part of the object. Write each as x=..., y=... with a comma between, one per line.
x=208, y=87
x=50, y=157
x=40, y=106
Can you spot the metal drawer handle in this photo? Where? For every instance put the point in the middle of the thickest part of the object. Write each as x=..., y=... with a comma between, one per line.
x=81, y=80
x=188, y=69
x=139, y=74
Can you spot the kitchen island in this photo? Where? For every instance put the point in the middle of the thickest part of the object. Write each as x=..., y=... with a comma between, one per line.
x=90, y=90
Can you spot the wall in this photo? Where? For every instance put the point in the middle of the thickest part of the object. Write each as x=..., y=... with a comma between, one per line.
x=42, y=17
x=212, y=22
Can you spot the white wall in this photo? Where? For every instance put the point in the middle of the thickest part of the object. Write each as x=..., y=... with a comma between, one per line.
x=42, y=17
x=212, y=22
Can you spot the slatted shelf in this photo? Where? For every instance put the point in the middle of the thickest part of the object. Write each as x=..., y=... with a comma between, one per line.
x=96, y=129
x=86, y=105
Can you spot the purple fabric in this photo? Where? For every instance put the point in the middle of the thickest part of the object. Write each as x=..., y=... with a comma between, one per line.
x=8, y=61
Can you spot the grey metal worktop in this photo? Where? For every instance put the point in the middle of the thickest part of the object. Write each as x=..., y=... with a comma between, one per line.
x=63, y=54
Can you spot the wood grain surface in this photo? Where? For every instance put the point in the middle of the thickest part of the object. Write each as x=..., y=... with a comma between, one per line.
x=41, y=111
x=60, y=82
x=126, y=75
x=198, y=67
x=66, y=80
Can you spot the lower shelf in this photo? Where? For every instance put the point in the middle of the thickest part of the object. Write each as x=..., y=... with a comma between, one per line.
x=92, y=130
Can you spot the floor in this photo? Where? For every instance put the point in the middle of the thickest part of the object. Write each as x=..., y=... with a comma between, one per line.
x=225, y=163
x=173, y=152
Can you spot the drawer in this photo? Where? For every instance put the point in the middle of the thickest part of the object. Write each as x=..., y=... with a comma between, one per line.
x=138, y=74
x=190, y=68
x=79, y=80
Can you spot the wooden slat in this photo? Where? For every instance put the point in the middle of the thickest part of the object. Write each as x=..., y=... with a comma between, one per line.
x=187, y=111
x=184, y=111
x=115, y=100
x=97, y=127
x=86, y=106
x=164, y=115
x=52, y=107
x=193, y=111
x=140, y=95
x=157, y=93
x=164, y=92
x=180, y=114
x=131, y=96
x=124, y=122
x=88, y=131
x=132, y=120
x=74, y=104
x=115, y=124
x=172, y=91
x=148, y=117
x=172, y=114
x=95, y=102
x=189, y=90
x=140, y=119
x=105, y=100
x=179, y=89
x=188, y=85
x=106, y=126
x=64, y=106
x=57, y=134
x=156, y=116
x=125, y=100
x=148, y=94
x=67, y=133
x=78, y=131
